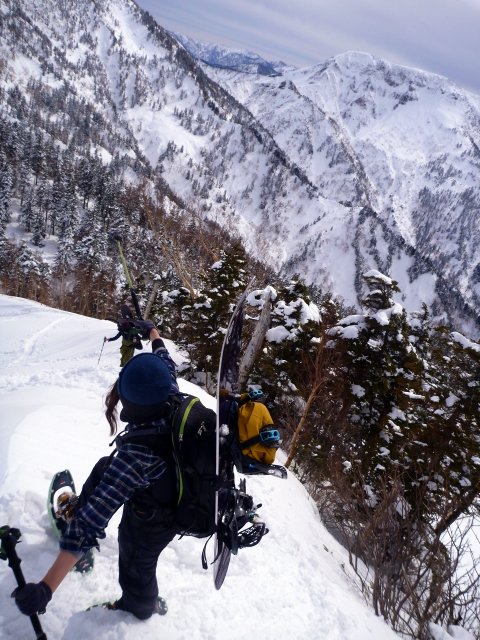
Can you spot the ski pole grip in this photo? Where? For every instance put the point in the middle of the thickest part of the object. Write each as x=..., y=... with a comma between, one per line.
x=9, y=538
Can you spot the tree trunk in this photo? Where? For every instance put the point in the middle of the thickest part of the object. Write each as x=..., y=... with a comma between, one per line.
x=255, y=344
x=303, y=419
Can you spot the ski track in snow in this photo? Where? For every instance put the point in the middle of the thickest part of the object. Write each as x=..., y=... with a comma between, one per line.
x=295, y=585
x=30, y=343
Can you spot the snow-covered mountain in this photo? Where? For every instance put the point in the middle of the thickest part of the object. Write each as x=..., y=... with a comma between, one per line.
x=296, y=584
x=325, y=171
x=235, y=60
x=399, y=149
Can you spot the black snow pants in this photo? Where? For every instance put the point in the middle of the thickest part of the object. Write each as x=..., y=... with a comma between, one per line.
x=145, y=530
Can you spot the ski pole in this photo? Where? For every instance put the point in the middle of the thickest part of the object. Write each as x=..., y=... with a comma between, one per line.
x=101, y=350
x=9, y=538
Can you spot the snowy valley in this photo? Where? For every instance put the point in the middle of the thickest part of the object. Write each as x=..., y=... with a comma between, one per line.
x=326, y=171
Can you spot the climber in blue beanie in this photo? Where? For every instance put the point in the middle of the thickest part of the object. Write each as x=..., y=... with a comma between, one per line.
x=140, y=475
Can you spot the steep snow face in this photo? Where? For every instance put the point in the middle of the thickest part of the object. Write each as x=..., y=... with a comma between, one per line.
x=296, y=584
x=325, y=171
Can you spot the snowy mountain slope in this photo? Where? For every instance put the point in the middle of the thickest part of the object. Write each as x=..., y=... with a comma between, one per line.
x=187, y=130
x=400, y=142
x=296, y=584
x=326, y=171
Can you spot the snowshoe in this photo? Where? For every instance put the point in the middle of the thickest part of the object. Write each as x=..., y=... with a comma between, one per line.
x=61, y=509
x=161, y=607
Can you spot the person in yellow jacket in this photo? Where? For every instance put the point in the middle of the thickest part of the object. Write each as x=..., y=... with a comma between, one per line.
x=256, y=433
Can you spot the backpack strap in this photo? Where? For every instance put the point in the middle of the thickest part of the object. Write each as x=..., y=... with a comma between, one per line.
x=186, y=413
x=177, y=438
x=161, y=427
x=130, y=435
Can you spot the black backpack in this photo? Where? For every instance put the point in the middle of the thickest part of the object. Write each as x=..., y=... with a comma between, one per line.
x=194, y=445
x=190, y=435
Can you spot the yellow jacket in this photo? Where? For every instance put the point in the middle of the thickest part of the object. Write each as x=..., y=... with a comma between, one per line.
x=252, y=416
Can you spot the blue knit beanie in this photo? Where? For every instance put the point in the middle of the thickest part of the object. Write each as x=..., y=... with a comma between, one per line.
x=144, y=385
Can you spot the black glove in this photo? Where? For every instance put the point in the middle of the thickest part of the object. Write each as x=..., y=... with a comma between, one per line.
x=144, y=327
x=32, y=598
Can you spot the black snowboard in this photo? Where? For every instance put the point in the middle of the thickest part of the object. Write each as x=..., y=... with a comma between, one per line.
x=227, y=383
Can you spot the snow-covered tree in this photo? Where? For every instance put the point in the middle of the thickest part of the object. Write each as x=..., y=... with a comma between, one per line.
x=383, y=371
x=450, y=439
x=295, y=325
x=206, y=318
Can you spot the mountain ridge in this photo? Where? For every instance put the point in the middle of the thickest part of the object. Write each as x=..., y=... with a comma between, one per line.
x=231, y=59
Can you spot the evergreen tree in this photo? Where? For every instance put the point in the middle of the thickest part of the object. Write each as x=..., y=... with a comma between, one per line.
x=171, y=297
x=206, y=318
x=5, y=191
x=295, y=324
x=23, y=181
x=413, y=408
x=86, y=179
x=384, y=375
x=107, y=203
x=7, y=263
x=91, y=250
x=27, y=214
x=41, y=211
x=448, y=444
x=34, y=274
x=64, y=216
x=95, y=276
x=36, y=155
x=38, y=229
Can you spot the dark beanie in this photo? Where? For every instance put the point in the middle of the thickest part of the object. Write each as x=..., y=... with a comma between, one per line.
x=144, y=385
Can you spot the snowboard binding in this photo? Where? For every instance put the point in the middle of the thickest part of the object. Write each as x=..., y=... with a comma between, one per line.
x=239, y=511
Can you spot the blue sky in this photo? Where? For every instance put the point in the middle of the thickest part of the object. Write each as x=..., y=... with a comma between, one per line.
x=442, y=36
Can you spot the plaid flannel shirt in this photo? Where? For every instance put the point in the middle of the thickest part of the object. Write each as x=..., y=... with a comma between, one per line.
x=133, y=467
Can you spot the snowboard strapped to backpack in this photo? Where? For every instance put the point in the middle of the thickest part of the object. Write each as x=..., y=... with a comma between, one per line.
x=193, y=440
